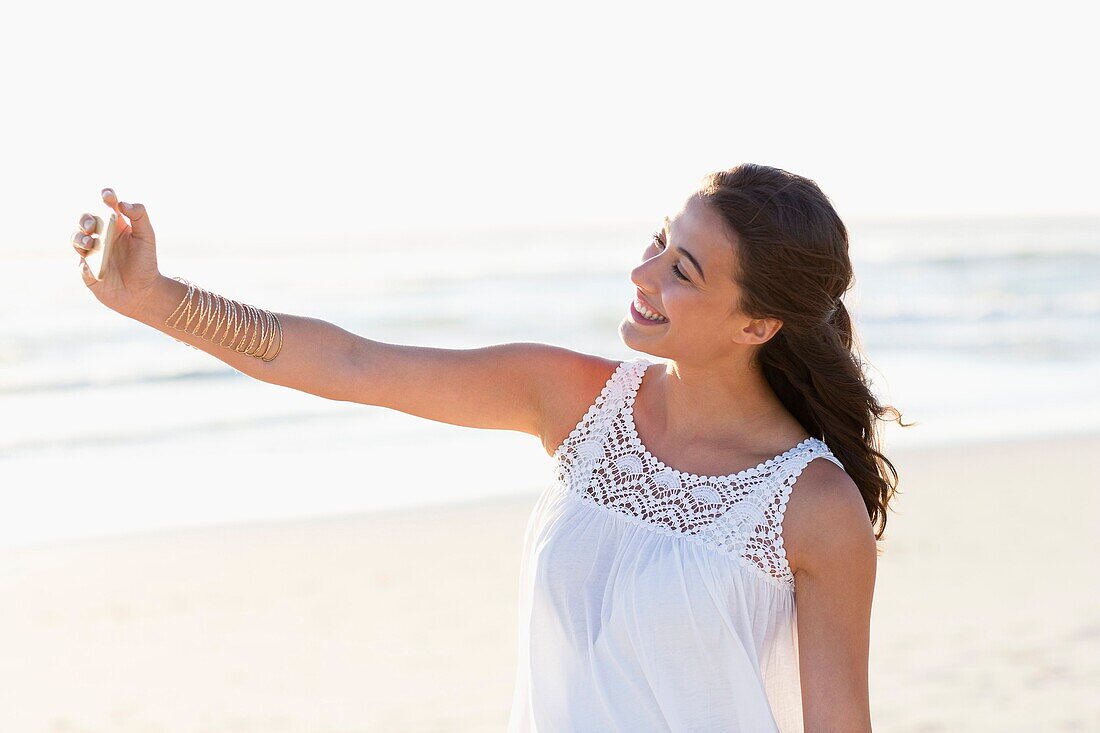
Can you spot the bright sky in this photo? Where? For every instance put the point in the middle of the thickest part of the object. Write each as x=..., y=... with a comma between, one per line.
x=327, y=119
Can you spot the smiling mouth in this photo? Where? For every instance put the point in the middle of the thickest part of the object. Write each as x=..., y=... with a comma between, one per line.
x=644, y=312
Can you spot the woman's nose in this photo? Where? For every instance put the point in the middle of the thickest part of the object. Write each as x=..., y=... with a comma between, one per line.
x=642, y=275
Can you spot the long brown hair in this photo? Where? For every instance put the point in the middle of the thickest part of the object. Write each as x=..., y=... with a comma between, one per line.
x=792, y=264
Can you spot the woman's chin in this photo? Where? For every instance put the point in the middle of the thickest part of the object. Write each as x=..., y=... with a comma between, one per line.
x=631, y=333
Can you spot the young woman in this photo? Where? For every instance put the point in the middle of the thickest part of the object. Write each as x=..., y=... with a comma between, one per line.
x=658, y=586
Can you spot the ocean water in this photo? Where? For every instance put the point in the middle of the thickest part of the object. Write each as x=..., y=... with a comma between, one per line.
x=975, y=330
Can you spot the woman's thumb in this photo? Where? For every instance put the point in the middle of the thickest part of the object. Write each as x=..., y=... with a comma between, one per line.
x=85, y=272
x=139, y=220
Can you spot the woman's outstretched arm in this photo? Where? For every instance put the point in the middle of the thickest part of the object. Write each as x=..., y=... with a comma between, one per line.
x=503, y=387
x=310, y=359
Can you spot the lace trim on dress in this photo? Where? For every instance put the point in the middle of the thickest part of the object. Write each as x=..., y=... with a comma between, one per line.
x=604, y=464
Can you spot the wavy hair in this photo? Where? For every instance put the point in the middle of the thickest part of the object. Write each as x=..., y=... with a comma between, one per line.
x=792, y=264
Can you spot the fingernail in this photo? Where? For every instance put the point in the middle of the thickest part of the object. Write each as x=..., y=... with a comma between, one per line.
x=105, y=191
x=127, y=206
x=88, y=222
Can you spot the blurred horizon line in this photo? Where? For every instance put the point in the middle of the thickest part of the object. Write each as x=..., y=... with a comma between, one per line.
x=335, y=241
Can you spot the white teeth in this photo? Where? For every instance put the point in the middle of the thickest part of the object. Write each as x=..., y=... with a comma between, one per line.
x=650, y=315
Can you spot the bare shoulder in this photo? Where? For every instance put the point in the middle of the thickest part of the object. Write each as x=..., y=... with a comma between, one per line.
x=826, y=527
x=571, y=384
x=833, y=555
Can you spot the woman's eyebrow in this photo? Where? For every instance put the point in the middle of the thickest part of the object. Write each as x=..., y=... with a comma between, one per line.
x=684, y=252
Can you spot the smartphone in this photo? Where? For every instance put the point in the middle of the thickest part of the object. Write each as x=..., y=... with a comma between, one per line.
x=107, y=234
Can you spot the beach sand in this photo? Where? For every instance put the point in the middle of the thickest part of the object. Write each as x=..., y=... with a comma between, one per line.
x=986, y=614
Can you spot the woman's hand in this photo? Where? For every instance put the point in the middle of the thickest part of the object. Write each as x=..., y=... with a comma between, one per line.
x=129, y=271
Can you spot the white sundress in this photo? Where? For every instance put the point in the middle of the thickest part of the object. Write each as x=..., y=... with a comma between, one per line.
x=656, y=600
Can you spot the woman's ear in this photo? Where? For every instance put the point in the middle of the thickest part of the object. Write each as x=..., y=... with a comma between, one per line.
x=760, y=330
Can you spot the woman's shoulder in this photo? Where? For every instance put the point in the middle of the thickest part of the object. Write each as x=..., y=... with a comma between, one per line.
x=578, y=380
x=825, y=517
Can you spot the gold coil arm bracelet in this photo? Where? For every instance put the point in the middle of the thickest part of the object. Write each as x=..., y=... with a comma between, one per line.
x=256, y=328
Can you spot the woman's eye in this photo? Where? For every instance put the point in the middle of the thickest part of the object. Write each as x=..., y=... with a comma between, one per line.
x=660, y=242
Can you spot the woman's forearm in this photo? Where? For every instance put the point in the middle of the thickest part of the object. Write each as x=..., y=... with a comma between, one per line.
x=314, y=356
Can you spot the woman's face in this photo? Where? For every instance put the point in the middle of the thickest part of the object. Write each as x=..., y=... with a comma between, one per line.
x=686, y=275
